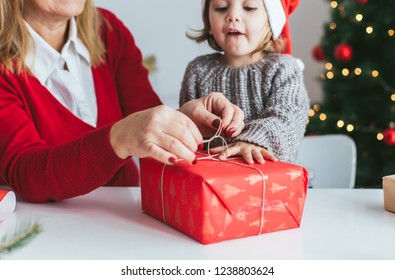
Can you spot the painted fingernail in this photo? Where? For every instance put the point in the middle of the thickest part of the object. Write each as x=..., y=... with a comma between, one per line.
x=172, y=160
x=216, y=123
x=194, y=161
x=230, y=131
x=200, y=146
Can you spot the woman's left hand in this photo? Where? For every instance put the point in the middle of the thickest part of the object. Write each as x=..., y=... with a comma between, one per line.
x=250, y=152
x=207, y=112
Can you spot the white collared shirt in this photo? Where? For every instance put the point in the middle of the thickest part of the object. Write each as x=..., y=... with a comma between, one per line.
x=73, y=88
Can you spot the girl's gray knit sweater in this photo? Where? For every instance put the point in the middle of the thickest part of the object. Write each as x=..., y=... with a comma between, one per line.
x=271, y=94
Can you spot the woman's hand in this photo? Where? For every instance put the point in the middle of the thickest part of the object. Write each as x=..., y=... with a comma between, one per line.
x=208, y=111
x=249, y=152
x=160, y=132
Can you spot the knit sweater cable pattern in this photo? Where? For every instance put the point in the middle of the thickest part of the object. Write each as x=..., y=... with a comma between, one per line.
x=271, y=94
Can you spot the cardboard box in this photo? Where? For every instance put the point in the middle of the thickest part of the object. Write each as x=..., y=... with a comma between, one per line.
x=389, y=193
x=214, y=201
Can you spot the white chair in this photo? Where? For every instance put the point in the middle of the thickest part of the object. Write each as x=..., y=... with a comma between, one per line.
x=330, y=159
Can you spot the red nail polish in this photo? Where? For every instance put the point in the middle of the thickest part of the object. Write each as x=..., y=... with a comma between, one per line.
x=216, y=123
x=200, y=146
x=194, y=161
x=230, y=131
x=172, y=160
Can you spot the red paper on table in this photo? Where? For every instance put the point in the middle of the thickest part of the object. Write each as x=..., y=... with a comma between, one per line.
x=214, y=200
x=7, y=203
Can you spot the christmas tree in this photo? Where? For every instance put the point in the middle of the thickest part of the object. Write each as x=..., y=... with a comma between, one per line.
x=358, y=80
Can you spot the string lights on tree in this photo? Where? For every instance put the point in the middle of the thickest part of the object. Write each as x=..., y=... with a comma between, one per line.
x=357, y=50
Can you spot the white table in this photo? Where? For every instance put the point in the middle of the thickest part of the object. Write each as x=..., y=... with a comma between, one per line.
x=109, y=224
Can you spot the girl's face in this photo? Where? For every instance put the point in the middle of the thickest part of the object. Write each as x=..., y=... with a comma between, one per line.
x=56, y=10
x=239, y=27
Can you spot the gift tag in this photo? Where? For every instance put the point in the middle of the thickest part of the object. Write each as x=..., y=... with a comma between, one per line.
x=7, y=203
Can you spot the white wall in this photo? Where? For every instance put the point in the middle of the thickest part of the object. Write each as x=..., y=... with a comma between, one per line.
x=307, y=29
x=159, y=28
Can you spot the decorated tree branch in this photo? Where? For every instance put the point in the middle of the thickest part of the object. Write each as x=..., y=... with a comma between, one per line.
x=22, y=235
x=357, y=50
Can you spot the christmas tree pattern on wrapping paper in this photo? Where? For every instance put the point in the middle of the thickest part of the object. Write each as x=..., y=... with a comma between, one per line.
x=228, y=220
x=191, y=221
x=167, y=212
x=207, y=229
x=218, y=222
x=183, y=195
x=294, y=174
x=240, y=216
x=253, y=206
x=277, y=188
x=210, y=181
x=196, y=201
x=215, y=202
x=231, y=191
x=172, y=190
x=254, y=202
x=277, y=206
x=301, y=202
x=257, y=223
x=252, y=179
x=177, y=216
x=291, y=195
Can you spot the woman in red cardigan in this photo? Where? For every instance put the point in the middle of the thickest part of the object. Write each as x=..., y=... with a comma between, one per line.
x=76, y=103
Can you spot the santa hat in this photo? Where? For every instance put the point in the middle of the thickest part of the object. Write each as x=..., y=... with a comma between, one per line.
x=278, y=12
x=7, y=203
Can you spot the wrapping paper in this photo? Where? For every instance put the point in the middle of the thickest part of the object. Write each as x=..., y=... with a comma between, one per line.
x=7, y=203
x=214, y=200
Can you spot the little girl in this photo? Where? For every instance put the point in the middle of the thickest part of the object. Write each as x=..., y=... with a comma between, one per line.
x=253, y=73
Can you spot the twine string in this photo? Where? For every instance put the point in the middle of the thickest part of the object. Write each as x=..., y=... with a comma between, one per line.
x=217, y=135
x=214, y=157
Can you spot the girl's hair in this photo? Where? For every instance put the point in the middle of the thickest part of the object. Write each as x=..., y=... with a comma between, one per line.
x=267, y=45
x=15, y=38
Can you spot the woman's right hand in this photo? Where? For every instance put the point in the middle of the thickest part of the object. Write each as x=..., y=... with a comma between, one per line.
x=160, y=132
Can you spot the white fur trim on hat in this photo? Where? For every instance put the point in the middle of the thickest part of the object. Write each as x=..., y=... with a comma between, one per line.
x=276, y=14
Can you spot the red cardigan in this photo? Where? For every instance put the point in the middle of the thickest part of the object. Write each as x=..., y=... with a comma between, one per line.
x=48, y=154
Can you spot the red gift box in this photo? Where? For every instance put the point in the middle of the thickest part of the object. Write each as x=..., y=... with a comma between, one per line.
x=215, y=200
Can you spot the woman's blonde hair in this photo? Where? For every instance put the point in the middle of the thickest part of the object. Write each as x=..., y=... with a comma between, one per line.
x=267, y=45
x=14, y=36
